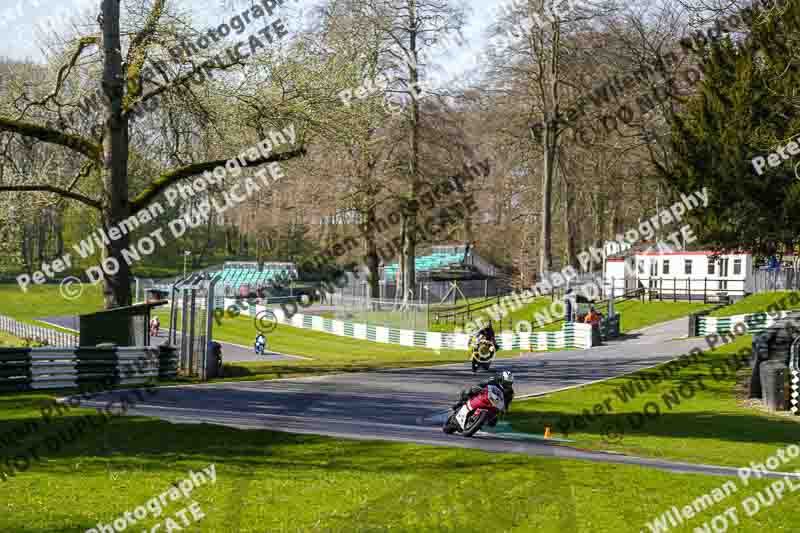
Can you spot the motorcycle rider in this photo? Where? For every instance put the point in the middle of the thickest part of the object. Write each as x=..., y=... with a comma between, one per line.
x=488, y=334
x=505, y=381
x=261, y=343
x=155, y=326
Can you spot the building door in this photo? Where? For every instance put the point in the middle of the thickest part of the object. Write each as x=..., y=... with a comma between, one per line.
x=653, y=273
x=723, y=273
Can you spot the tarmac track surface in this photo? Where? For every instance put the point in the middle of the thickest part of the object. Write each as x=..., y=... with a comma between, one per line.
x=408, y=405
x=231, y=353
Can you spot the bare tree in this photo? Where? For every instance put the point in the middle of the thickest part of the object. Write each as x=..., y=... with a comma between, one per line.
x=105, y=147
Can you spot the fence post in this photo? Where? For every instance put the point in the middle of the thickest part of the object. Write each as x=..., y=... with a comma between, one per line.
x=674, y=289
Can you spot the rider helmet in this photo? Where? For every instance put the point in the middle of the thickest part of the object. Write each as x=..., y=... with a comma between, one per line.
x=507, y=377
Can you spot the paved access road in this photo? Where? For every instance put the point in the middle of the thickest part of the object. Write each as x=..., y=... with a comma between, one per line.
x=231, y=353
x=408, y=404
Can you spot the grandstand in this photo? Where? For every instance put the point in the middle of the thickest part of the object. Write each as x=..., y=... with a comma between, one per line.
x=446, y=262
x=250, y=275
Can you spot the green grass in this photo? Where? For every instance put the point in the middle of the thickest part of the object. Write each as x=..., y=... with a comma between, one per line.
x=328, y=352
x=7, y=341
x=638, y=315
x=267, y=481
x=635, y=314
x=709, y=427
x=46, y=300
x=760, y=302
x=525, y=312
x=382, y=318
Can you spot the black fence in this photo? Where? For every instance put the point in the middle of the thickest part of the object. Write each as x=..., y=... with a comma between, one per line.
x=772, y=280
x=683, y=289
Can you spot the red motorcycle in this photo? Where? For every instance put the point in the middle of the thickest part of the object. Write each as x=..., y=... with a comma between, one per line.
x=155, y=326
x=476, y=411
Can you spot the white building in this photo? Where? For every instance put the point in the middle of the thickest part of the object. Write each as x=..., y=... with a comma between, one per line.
x=682, y=274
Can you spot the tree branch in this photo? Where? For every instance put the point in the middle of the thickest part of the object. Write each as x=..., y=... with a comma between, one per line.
x=56, y=190
x=179, y=81
x=73, y=142
x=161, y=183
x=65, y=70
x=137, y=53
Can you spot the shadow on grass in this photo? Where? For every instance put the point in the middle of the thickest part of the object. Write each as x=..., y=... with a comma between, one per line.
x=153, y=445
x=615, y=427
x=262, y=371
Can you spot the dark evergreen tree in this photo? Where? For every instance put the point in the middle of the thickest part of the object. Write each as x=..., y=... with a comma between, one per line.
x=746, y=107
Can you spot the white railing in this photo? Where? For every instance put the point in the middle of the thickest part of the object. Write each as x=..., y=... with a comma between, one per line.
x=39, y=334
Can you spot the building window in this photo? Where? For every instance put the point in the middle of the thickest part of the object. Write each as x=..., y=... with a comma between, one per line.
x=737, y=266
x=710, y=266
x=687, y=266
x=665, y=267
x=653, y=267
x=641, y=266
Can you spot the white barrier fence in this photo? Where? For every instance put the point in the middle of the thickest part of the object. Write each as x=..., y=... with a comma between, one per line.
x=572, y=335
x=39, y=334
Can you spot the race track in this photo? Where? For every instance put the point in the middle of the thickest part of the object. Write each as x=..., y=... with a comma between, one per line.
x=231, y=353
x=408, y=404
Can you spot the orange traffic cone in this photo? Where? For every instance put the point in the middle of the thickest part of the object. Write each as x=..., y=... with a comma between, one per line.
x=547, y=432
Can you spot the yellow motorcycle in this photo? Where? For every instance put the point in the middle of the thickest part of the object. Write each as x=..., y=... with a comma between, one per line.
x=483, y=351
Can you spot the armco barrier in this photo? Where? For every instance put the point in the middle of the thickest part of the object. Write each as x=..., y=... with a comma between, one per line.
x=24, y=369
x=572, y=335
x=755, y=322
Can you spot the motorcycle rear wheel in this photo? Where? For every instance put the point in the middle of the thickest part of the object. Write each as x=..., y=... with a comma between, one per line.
x=475, y=423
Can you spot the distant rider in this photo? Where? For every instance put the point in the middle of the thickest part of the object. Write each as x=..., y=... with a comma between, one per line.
x=488, y=334
x=261, y=342
x=155, y=326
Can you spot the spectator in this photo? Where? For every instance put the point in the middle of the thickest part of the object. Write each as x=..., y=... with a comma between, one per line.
x=593, y=317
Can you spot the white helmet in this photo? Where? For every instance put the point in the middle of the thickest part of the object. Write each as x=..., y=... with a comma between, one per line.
x=508, y=377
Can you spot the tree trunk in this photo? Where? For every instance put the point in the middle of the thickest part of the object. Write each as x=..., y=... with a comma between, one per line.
x=60, y=234
x=25, y=247
x=117, y=286
x=570, y=224
x=409, y=253
x=545, y=252
x=41, y=239
x=371, y=253
x=401, y=262
x=229, y=238
x=410, y=207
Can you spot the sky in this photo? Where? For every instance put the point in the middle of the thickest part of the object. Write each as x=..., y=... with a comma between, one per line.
x=22, y=22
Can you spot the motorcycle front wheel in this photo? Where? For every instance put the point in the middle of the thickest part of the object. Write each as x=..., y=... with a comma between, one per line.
x=474, y=423
x=449, y=426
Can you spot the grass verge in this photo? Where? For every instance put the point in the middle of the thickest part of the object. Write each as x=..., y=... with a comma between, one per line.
x=328, y=353
x=710, y=424
x=9, y=341
x=267, y=481
x=42, y=301
x=760, y=302
x=637, y=315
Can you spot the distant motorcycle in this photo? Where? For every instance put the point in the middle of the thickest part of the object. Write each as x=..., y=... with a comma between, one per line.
x=468, y=418
x=483, y=352
x=260, y=345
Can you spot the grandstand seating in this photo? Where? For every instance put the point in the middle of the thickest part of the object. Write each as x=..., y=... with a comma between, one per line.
x=434, y=261
x=237, y=277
